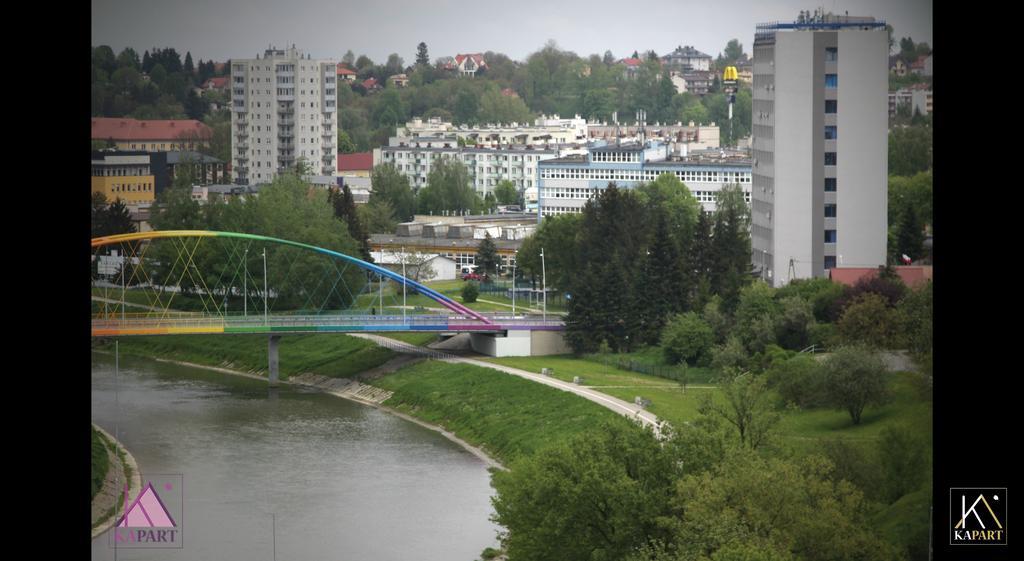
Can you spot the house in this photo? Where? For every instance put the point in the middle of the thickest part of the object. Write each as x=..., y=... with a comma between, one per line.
x=417, y=266
x=911, y=275
x=371, y=85
x=896, y=66
x=687, y=59
x=155, y=135
x=922, y=66
x=469, y=65
x=218, y=83
x=632, y=65
x=698, y=82
x=346, y=73
x=359, y=164
x=398, y=80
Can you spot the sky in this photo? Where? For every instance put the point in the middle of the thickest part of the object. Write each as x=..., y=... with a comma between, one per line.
x=223, y=29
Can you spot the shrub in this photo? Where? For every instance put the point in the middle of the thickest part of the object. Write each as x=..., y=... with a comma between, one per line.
x=904, y=462
x=799, y=380
x=687, y=338
x=730, y=355
x=868, y=321
x=855, y=378
x=470, y=292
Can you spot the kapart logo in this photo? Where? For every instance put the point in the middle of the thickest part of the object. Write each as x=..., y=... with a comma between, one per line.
x=153, y=518
x=977, y=516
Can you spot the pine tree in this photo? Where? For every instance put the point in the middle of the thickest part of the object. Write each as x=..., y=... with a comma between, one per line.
x=487, y=259
x=147, y=62
x=345, y=210
x=119, y=220
x=700, y=263
x=661, y=291
x=731, y=266
x=189, y=68
x=422, y=58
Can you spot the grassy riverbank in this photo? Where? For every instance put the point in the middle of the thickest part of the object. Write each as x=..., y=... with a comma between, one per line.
x=100, y=462
x=333, y=355
x=504, y=415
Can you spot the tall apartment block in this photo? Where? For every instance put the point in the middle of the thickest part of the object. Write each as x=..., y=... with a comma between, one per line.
x=820, y=147
x=283, y=109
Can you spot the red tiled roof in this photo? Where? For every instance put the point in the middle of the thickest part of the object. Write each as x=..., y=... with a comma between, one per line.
x=911, y=274
x=369, y=83
x=104, y=128
x=360, y=161
x=217, y=82
x=632, y=61
x=344, y=71
x=477, y=58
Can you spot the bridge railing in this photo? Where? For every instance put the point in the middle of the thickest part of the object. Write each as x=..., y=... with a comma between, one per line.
x=182, y=321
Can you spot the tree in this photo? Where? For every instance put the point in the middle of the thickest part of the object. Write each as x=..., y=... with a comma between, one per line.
x=868, y=321
x=747, y=407
x=448, y=189
x=189, y=68
x=119, y=220
x=422, y=58
x=129, y=59
x=855, y=378
x=349, y=58
x=506, y=193
x=733, y=51
x=363, y=63
x=466, y=106
x=470, y=292
x=103, y=58
x=345, y=210
x=910, y=150
x=904, y=459
x=606, y=488
x=753, y=507
x=345, y=144
x=608, y=59
x=391, y=186
x=756, y=310
x=377, y=217
x=794, y=323
x=799, y=380
x=730, y=243
x=687, y=338
x=487, y=259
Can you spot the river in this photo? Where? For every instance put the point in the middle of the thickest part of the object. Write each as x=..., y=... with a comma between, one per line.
x=338, y=480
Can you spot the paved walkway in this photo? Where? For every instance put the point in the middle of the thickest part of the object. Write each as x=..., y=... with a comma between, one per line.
x=617, y=405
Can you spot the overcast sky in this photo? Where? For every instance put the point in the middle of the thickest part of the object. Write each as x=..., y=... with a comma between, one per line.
x=223, y=29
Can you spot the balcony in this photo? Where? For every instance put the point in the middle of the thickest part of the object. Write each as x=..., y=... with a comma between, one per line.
x=286, y=121
x=288, y=109
x=242, y=134
x=242, y=146
x=242, y=158
x=328, y=157
x=286, y=134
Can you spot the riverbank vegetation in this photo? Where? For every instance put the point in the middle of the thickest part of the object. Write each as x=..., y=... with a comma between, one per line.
x=100, y=462
x=333, y=355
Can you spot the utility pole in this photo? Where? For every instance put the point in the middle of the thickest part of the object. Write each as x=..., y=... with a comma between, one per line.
x=124, y=269
x=514, y=259
x=544, y=282
x=245, y=285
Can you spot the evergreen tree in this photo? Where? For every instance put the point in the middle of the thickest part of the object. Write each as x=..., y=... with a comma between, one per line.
x=730, y=264
x=345, y=210
x=118, y=219
x=189, y=68
x=487, y=260
x=662, y=293
x=422, y=58
x=910, y=234
x=700, y=262
x=147, y=62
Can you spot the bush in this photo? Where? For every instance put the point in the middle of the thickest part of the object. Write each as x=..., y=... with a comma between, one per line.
x=793, y=326
x=799, y=380
x=823, y=335
x=868, y=321
x=730, y=355
x=470, y=292
x=854, y=463
x=687, y=338
x=904, y=462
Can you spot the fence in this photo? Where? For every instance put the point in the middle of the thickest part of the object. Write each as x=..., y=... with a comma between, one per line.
x=677, y=373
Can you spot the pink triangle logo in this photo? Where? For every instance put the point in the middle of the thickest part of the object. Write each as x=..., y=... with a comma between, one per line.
x=148, y=511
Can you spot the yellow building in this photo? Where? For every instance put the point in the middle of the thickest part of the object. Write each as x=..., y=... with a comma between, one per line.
x=126, y=176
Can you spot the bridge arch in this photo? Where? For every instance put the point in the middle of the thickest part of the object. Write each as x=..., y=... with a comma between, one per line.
x=422, y=289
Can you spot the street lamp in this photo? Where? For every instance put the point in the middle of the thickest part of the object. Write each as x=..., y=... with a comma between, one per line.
x=515, y=258
x=544, y=283
x=265, y=322
x=403, y=286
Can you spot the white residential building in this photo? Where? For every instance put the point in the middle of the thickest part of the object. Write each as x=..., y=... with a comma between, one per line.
x=543, y=132
x=283, y=109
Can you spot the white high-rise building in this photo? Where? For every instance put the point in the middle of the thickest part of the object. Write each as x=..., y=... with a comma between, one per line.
x=283, y=109
x=820, y=146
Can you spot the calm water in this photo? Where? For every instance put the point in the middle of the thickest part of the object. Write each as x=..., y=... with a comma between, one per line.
x=343, y=481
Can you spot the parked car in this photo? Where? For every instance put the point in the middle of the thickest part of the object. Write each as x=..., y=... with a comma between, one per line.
x=472, y=276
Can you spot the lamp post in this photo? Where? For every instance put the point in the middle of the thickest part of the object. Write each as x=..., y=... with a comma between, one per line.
x=515, y=258
x=544, y=283
x=265, y=322
x=403, y=286
x=245, y=286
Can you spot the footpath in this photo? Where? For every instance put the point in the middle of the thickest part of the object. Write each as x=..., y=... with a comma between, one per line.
x=619, y=406
x=109, y=501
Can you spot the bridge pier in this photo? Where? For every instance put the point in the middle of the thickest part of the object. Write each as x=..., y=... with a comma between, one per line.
x=272, y=372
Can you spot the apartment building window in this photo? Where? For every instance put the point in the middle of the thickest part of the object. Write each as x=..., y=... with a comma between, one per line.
x=830, y=133
x=830, y=185
x=830, y=261
x=831, y=105
x=830, y=211
x=831, y=81
x=830, y=236
x=830, y=158
x=831, y=54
